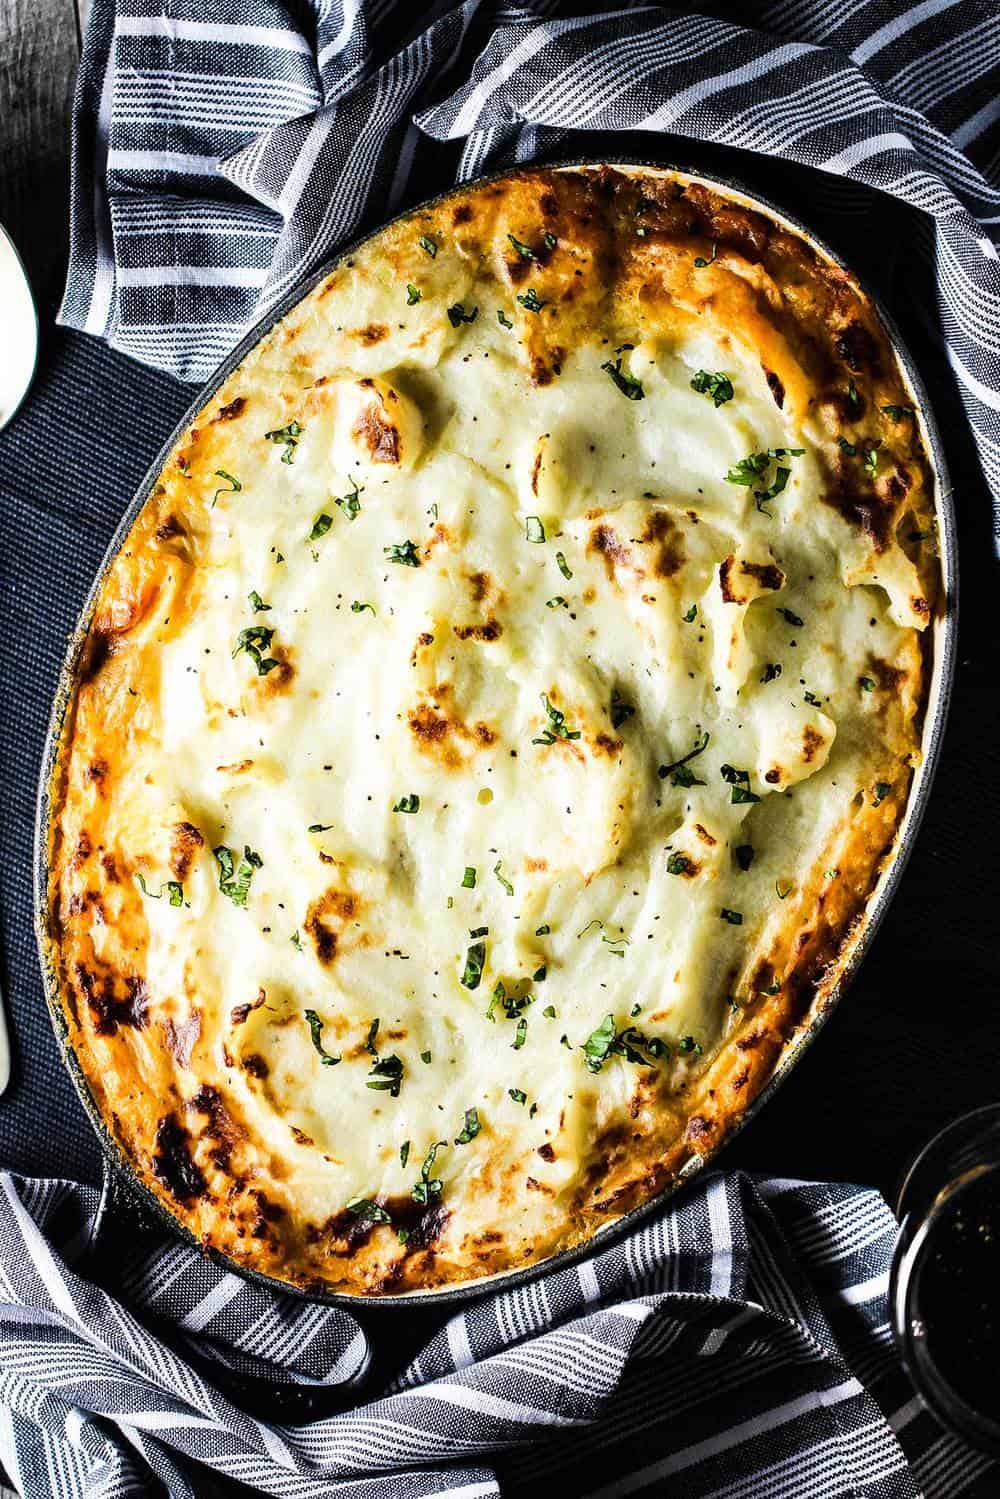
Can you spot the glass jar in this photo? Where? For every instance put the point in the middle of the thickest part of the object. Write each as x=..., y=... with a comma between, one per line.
x=944, y=1288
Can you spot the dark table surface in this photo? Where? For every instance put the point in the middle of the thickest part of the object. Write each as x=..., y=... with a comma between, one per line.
x=917, y=1039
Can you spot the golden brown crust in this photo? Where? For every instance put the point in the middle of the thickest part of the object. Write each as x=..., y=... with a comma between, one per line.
x=194, y=1080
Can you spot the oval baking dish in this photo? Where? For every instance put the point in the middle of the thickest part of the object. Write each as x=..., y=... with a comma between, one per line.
x=352, y=999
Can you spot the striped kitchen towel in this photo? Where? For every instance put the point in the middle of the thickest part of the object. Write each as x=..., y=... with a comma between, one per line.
x=736, y=1346
x=223, y=149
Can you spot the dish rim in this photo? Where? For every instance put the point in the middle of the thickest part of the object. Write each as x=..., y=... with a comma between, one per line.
x=116, y=1161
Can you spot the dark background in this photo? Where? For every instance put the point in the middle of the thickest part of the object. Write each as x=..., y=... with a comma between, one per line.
x=917, y=1039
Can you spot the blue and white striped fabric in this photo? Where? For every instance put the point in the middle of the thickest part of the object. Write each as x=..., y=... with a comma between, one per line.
x=225, y=148
x=737, y=1346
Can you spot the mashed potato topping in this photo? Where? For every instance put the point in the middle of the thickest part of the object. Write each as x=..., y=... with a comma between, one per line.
x=492, y=729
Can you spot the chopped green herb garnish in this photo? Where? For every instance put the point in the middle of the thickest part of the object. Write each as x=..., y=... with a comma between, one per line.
x=562, y=565
x=850, y=448
x=897, y=413
x=470, y=1129
x=525, y=251
x=538, y=977
x=557, y=725
x=530, y=300
x=498, y=997
x=866, y=684
x=597, y=1047
x=404, y=1152
x=557, y=602
x=428, y=246
x=533, y=528
x=175, y=891
x=790, y=618
x=296, y=941
x=505, y=883
x=235, y=881
x=882, y=789
x=469, y=877
x=781, y=476
x=718, y=386
x=688, y=1043
x=740, y=782
x=405, y=553
x=605, y=1042
x=320, y=827
x=680, y=864
x=368, y=1210
x=678, y=771
x=626, y=383
x=320, y=526
x=744, y=856
x=413, y=294
x=386, y=1076
x=289, y=436
x=427, y=1190
x=549, y=1012
x=350, y=503
x=735, y=918
x=256, y=602
x=812, y=700
x=457, y=315
x=520, y=1035
x=511, y=1004
x=542, y=931
x=517, y=1095
x=410, y=803
x=782, y=894
x=700, y=260
x=475, y=962
x=689, y=617
x=753, y=468
x=771, y=672
x=316, y=1032
x=255, y=640
x=425, y=1057
x=871, y=459
x=853, y=398
x=503, y=319
x=235, y=487
x=358, y=608
x=370, y=1045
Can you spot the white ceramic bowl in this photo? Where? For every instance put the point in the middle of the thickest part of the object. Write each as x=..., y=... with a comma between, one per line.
x=18, y=330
